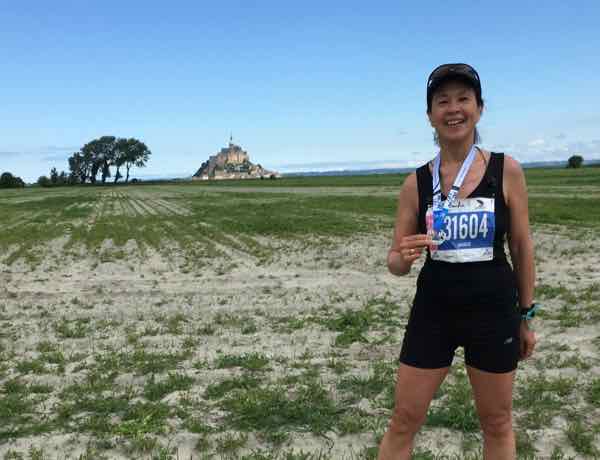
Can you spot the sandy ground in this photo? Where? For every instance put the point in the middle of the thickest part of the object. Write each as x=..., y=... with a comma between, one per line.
x=140, y=288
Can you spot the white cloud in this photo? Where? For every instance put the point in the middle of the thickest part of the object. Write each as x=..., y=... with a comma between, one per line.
x=343, y=165
x=550, y=150
x=534, y=151
x=58, y=148
x=536, y=142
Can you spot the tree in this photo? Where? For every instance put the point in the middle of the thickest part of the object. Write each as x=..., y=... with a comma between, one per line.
x=43, y=181
x=106, y=154
x=99, y=155
x=87, y=162
x=7, y=180
x=136, y=153
x=54, y=176
x=121, y=147
x=81, y=163
x=79, y=167
x=75, y=165
x=574, y=161
x=72, y=179
x=90, y=155
x=63, y=178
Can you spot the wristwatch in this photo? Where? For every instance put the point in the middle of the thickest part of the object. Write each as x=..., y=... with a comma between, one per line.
x=528, y=313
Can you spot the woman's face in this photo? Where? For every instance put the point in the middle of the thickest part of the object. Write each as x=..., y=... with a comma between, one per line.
x=454, y=112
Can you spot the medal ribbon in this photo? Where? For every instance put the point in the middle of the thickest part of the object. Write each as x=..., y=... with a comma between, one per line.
x=440, y=208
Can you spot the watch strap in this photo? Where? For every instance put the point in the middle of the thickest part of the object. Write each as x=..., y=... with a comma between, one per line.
x=529, y=313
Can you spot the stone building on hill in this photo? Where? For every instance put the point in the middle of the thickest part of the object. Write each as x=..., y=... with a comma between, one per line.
x=232, y=162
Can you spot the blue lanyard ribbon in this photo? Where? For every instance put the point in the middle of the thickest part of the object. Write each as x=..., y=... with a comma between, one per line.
x=440, y=208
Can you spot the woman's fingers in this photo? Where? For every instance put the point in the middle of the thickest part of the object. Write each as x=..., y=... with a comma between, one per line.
x=414, y=241
x=528, y=341
x=411, y=247
x=412, y=253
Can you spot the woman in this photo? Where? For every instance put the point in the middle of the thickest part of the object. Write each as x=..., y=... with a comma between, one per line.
x=458, y=209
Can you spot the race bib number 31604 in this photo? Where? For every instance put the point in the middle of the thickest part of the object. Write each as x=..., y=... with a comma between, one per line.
x=467, y=232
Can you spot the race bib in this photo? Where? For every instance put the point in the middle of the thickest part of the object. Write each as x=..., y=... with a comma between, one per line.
x=467, y=231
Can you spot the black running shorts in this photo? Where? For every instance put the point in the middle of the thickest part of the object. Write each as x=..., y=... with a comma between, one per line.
x=471, y=307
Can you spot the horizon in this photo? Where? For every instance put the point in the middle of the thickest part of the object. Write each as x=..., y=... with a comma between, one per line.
x=342, y=84
x=555, y=164
x=361, y=168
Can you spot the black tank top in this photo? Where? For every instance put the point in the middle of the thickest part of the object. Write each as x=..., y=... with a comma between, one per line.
x=489, y=187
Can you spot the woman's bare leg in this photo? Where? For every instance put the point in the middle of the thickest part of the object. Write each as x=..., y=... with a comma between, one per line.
x=414, y=391
x=493, y=399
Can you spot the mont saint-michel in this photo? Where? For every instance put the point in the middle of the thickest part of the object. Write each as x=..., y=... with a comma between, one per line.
x=232, y=162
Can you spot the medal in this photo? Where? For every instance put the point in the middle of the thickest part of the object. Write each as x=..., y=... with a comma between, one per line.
x=440, y=208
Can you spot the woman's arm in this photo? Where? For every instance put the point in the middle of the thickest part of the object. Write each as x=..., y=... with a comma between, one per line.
x=520, y=245
x=406, y=245
x=520, y=242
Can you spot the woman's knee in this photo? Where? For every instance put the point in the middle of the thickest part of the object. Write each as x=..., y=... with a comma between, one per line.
x=406, y=421
x=497, y=424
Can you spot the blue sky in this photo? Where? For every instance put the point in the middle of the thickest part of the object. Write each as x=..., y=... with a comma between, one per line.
x=301, y=85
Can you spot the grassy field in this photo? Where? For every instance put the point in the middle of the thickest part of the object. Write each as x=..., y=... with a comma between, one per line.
x=257, y=320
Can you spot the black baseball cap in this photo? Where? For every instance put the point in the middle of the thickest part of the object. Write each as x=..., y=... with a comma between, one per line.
x=447, y=72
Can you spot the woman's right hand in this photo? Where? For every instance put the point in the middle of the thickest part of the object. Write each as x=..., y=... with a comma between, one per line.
x=412, y=246
x=406, y=245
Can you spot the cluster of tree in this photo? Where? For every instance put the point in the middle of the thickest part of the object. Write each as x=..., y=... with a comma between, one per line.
x=99, y=155
x=56, y=179
x=575, y=161
x=7, y=180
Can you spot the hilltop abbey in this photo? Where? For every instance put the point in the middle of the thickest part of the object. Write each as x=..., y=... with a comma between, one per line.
x=232, y=163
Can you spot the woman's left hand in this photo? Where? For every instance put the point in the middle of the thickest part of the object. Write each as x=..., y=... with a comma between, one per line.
x=528, y=340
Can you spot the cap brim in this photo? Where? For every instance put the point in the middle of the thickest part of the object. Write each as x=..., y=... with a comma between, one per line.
x=439, y=81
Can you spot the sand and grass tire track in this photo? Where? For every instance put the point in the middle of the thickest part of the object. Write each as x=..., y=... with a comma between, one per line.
x=137, y=208
x=144, y=207
x=20, y=220
x=172, y=207
x=162, y=209
x=126, y=205
x=160, y=204
x=98, y=210
x=115, y=208
x=118, y=208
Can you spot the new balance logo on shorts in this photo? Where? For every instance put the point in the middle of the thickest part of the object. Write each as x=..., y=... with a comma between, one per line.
x=507, y=341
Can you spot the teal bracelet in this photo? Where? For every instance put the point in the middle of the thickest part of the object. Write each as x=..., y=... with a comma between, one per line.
x=527, y=314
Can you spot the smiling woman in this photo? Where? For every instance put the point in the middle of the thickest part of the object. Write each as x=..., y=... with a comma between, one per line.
x=458, y=209
x=470, y=88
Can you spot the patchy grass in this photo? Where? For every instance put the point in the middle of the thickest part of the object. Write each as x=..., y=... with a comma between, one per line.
x=249, y=361
x=156, y=390
x=582, y=439
x=454, y=407
x=274, y=408
x=219, y=323
x=539, y=398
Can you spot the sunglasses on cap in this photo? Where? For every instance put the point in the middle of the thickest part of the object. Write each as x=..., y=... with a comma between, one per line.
x=445, y=70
